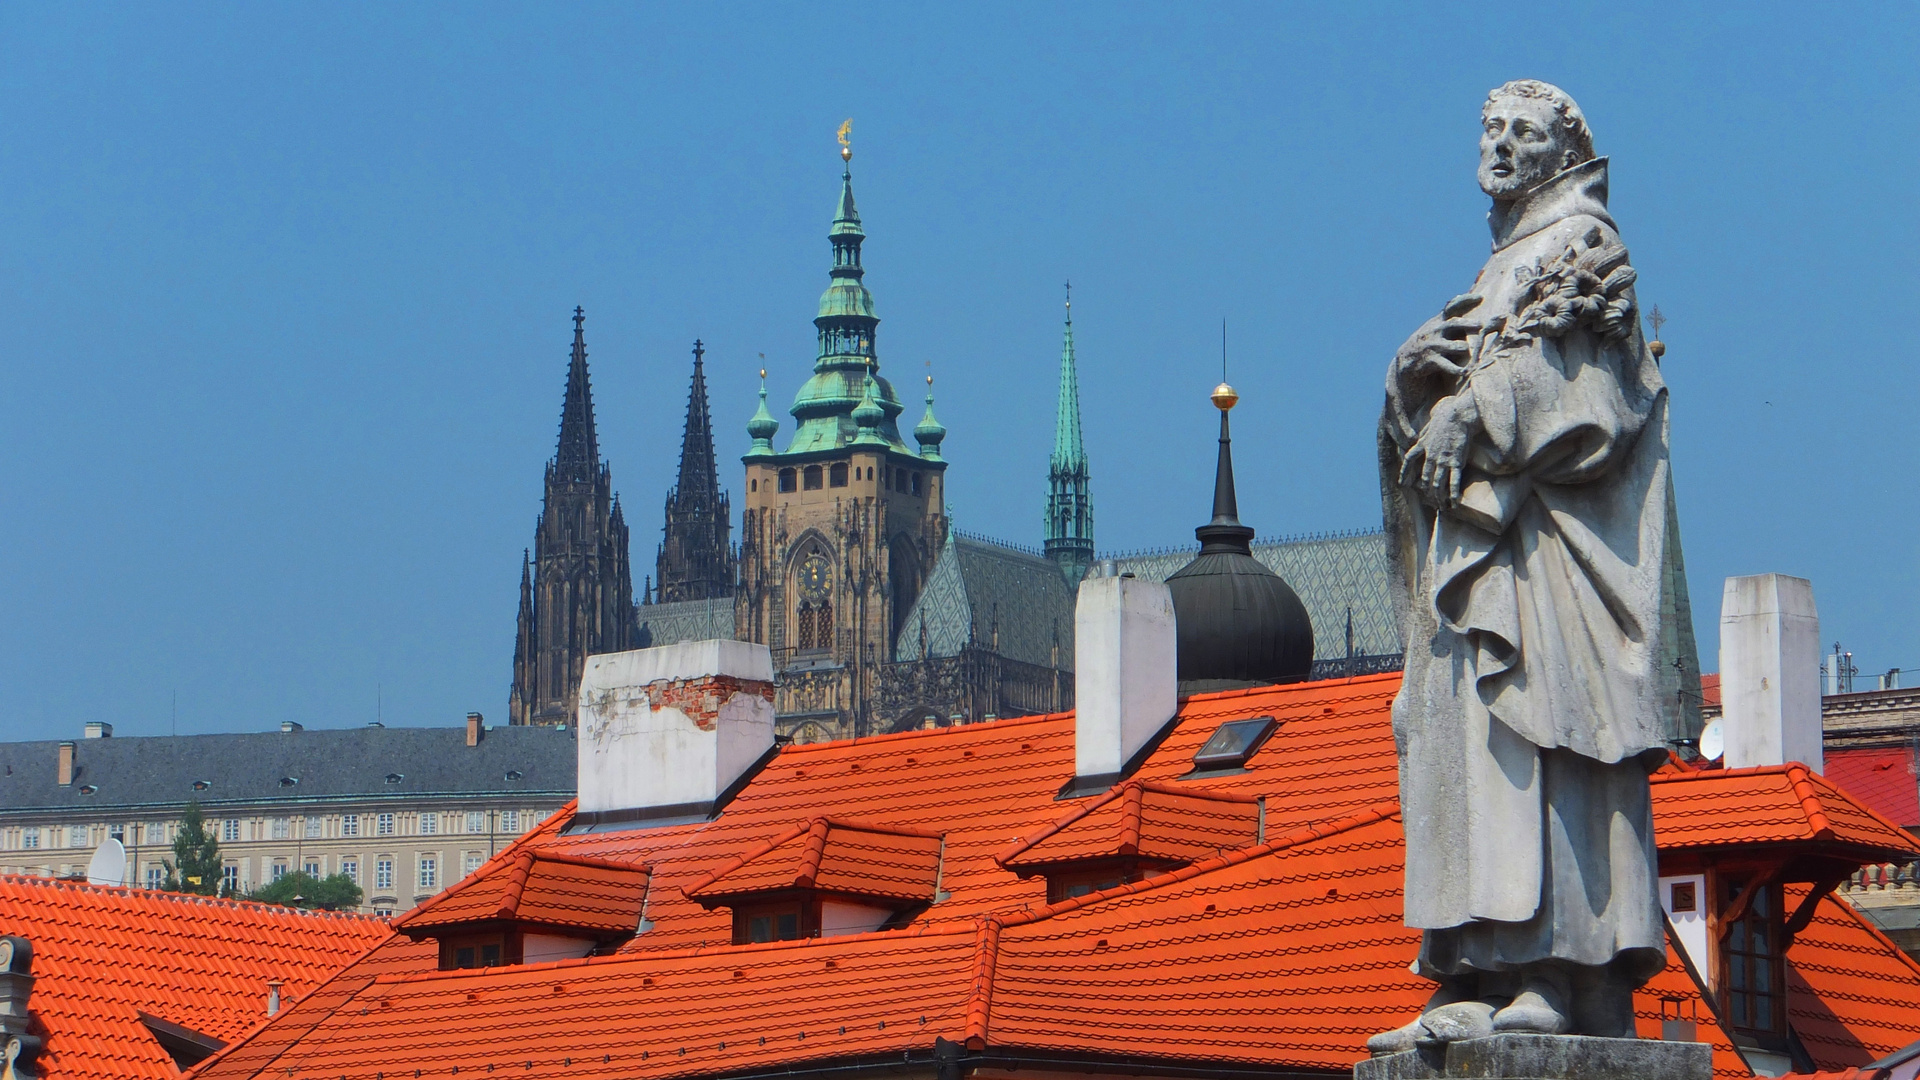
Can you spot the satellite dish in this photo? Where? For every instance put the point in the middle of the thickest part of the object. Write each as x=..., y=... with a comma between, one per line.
x=108, y=865
x=1713, y=741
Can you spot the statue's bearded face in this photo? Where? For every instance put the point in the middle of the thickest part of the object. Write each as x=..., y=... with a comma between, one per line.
x=1521, y=145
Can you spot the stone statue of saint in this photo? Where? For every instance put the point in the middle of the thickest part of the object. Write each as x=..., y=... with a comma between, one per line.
x=1524, y=468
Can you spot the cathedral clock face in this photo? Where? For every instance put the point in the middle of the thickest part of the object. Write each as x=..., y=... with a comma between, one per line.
x=816, y=577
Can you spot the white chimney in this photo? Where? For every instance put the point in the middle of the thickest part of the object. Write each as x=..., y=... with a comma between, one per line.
x=664, y=733
x=1124, y=675
x=1770, y=672
x=99, y=729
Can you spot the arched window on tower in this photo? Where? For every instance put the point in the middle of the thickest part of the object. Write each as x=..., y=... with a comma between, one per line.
x=823, y=625
x=804, y=617
x=810, y=479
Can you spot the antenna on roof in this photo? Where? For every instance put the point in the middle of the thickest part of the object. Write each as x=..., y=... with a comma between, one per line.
x=1223, y=348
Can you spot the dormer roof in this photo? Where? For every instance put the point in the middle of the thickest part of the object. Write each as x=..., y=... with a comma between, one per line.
x=830, y=855
x=1138, y=819
x=597, y=897
x=1772, y=806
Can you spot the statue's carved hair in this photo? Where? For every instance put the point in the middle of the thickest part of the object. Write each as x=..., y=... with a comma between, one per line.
x=1573, y=123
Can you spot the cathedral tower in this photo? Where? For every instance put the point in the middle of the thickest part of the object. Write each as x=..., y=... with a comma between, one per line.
x=1069, y=524
x=576, y=592
x=841, y=528
x=696, y=559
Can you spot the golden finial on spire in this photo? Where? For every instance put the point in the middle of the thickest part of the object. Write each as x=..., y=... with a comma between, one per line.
x=1225, y=397
x=846, y=147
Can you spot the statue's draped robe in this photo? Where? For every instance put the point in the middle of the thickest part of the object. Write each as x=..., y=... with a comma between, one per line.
x=1534, y=700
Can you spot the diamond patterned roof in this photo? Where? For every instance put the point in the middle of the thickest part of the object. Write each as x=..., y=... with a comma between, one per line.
x=979, y=587
x=1333, y=575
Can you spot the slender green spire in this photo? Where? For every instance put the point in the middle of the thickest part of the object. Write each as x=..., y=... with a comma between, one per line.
x=762, y=426
x=929, y=432
x=1069, y=514
x=869, y=416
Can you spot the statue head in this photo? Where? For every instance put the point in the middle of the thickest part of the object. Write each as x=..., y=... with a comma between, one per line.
x=1529, y=130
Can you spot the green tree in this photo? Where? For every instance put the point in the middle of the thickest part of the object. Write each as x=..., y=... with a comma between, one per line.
x=335, y=892
x=195, y=866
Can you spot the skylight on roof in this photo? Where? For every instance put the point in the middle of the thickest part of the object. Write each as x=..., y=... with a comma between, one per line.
x=1233, y=742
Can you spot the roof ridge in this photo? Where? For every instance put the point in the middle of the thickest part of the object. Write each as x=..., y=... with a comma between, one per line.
x=1130, y=819
x=516, y=885
x=1050, y=829
x=810, y=855
x=1819, y=779
x=986, y=956
x=1379, y=811
x=953, y=730
x=745, y=857
x=859, y=825
x=40, y=881
x=591, y=862
x=1268, y=688
x=1818, y=826
x=481, y=874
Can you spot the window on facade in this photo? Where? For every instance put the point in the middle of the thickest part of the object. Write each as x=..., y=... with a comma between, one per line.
x=350, y=825
x=383, y=874
x=230, y=830
x=311, y=868
x=29, y=838
x=350, y=866
x=468, y=956
x=471, y=862
x=429, y=824
x=753, y=485
x=476, y=821
x=383, y=825
x=313, y=827
x=811, y=477
x=510, y=821
x=156, y=877
x=1755, y=977
x=804, y=626
x=916, y=483
x=282, y=828
x=786, y=479
x=429, y=872
x=230, y=879
x=279, y=871
x=77, y=836
x=837, y=475
x=118, y=832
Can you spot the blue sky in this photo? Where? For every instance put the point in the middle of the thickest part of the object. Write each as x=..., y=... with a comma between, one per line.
x=284, y=292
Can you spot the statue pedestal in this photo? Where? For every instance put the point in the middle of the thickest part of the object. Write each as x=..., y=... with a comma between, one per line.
x=1545, y=1057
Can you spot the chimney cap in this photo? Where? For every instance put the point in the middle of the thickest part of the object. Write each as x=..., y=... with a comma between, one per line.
x=290, y=726
x=99, y=729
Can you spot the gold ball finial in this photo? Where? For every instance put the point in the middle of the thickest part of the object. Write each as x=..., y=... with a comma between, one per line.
x=1225, y=397
x=763, y=373
x=929, y=380
x=846, y=153
x=1657, y=347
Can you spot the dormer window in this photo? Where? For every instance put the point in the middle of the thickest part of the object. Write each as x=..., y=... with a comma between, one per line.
x=823, y=879
x=1132, y=832
x=532, y=908
x=1232, y=743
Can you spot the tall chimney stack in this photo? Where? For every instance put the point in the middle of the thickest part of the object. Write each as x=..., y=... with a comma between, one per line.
x=1125, y=678
x=473, y=729
x=1770, y=672
x=66, y=764
x=667, y=734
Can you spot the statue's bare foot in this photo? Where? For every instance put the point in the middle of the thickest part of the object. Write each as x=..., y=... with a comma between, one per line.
x=1539, y=1009
x=1457, y=1022
x=1399, y=1040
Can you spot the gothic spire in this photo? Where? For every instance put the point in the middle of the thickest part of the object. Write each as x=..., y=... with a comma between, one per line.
x=578, y=457
x=1069, y=514
x=698, y=476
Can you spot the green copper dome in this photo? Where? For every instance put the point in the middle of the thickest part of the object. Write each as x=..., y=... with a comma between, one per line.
x=869, y=416
x=846, y=372
x=763, y=426
x=928, y=432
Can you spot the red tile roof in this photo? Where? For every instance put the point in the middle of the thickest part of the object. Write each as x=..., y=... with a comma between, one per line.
x=835, y=856
x=1773, y=804
x=1283, y=955
x=102, y=956
x=530, y=886
x=1881, y=778
x=1157, y=821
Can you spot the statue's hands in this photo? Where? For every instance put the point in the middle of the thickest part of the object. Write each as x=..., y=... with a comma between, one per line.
x=1440, y=347
x=1435, y=465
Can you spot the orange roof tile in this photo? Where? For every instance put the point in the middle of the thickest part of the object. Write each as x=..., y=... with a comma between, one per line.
x=1773, y=804
x=831, y=855
x=1157, y=821
x=1878, y=777
x=102, y=956
x=546, y=888
x=1285, y=954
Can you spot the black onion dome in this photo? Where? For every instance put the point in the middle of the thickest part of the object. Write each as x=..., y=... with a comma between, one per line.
x=1235, y=619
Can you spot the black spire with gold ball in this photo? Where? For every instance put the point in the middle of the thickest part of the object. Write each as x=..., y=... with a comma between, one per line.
x=1237, y=622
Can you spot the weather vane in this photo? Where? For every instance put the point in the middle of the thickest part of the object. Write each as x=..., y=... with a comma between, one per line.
x=846, y=146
